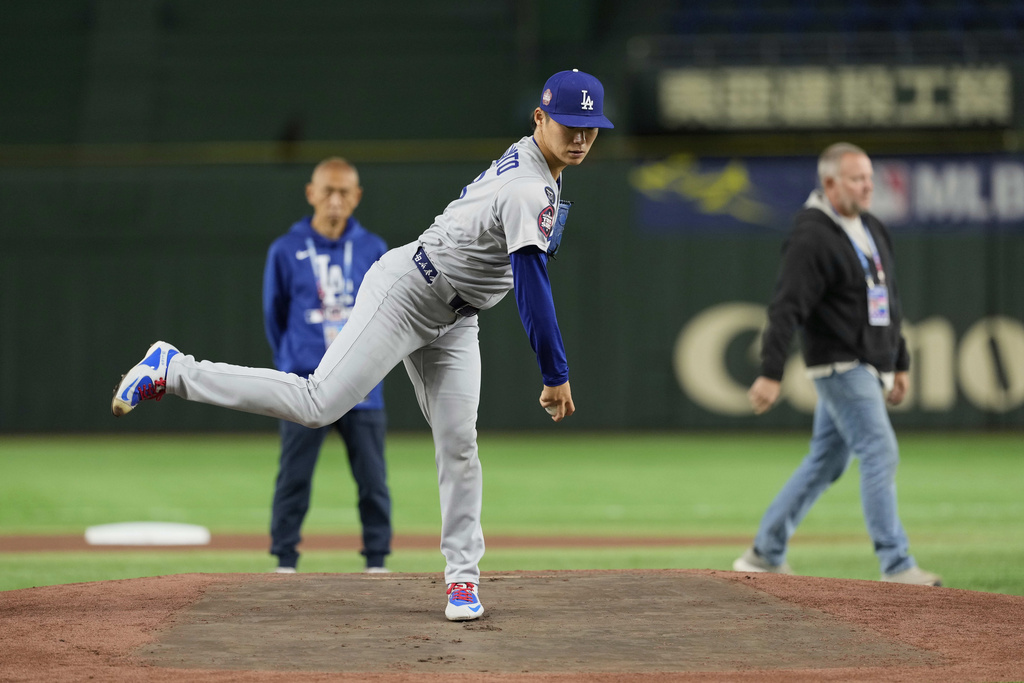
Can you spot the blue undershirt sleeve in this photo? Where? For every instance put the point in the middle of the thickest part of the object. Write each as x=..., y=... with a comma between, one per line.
x=537, y=310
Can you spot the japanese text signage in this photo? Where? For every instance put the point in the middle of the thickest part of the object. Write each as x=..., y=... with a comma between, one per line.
x=810, y=97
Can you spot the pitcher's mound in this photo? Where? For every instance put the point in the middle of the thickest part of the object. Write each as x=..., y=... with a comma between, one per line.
x=573, y=625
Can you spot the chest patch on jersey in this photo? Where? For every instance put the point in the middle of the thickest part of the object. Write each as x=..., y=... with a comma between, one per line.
x=546, y=221
x=551, y=195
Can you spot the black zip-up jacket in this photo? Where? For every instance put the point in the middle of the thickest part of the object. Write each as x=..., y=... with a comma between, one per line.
x=822, y=290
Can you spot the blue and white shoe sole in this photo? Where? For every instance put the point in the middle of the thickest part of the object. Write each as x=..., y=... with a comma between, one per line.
x=463, y=612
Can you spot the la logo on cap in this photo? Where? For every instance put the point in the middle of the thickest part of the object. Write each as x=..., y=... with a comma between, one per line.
x=575, y=99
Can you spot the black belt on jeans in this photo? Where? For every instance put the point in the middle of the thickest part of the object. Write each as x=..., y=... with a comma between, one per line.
x=432, y=275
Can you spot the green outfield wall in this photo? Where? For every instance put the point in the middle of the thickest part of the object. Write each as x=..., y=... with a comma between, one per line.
x=661, y=325
x=151, y=150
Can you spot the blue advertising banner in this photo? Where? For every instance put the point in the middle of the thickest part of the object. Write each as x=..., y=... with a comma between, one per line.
x=913, y=194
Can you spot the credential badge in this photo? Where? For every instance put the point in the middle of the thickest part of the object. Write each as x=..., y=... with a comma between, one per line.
x=588, y=102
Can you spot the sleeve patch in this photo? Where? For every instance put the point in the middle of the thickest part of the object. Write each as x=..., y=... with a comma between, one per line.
x=546, y=221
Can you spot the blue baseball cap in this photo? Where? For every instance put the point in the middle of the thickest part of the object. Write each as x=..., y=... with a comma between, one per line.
x=575, y=99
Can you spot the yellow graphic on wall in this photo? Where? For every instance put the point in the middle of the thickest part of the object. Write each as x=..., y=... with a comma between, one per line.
x=726, y=192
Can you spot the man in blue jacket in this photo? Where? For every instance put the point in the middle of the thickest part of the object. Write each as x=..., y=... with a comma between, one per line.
x=309, y=286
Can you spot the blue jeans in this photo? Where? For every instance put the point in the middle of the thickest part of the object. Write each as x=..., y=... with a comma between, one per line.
x=850, y=419
x=363, y=433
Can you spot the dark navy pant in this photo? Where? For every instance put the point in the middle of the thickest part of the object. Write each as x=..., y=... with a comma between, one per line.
x=363, y=433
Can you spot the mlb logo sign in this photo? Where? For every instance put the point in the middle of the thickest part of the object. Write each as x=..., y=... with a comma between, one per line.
x=891, y=201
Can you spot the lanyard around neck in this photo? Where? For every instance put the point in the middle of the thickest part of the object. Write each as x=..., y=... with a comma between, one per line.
x=875, y=256
x=348, y=288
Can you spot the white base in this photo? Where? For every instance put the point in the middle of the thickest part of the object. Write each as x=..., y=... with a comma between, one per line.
x=147, y=533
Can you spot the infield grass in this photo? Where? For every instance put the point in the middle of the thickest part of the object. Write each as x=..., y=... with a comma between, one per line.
x=959, y=493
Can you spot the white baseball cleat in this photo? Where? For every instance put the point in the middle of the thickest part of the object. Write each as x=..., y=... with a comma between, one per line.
x=751, y=561
x=915, y=576
x=463, y=604
x=147, y=380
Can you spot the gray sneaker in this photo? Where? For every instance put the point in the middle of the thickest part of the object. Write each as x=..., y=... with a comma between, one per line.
x=915, y=576
x=751, y=561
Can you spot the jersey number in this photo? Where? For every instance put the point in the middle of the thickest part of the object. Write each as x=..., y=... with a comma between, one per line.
x=507, y=162
x=466, y=188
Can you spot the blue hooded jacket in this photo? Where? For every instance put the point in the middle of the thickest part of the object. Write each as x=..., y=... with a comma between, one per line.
x=299, y=281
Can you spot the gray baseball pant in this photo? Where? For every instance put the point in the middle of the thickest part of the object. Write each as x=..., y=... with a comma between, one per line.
x=397, y=317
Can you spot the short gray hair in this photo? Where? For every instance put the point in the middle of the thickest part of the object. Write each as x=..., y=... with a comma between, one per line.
x=336, y=163
x=828, y=162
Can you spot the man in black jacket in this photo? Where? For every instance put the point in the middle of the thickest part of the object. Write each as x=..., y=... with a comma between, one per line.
x=837, y=285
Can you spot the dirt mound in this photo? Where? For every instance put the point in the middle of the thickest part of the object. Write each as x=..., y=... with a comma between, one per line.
x=638, y=625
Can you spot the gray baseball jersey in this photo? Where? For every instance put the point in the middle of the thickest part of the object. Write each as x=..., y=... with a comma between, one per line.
x=509, y=206
x=402, y=314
